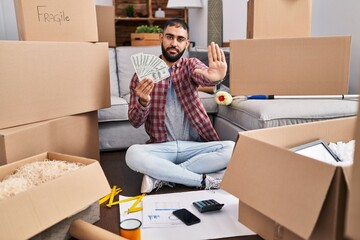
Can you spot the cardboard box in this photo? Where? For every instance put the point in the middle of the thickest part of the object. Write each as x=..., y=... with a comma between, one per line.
x=278, y=18
x=285, y=195
x=106, y=24
x=29, y=213
x=46, y=80
x=290, y=66
x=145, y=39
x=61, y=229
x=352, y=221
x=56, y=20
x=75, y=135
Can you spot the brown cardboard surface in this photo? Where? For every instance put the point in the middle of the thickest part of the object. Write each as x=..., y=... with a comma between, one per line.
x=278, y=18
x=46, y=80
x=75, y=135
x=85, y=231
x=106, y=24
x=28, y=213
x=353, y=209
x=61, y=229
x=290, y=66
x=56, y=20
x=283, y=190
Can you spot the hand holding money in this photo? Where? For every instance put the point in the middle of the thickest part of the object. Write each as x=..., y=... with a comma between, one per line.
x=150, y=66
x=143, y=91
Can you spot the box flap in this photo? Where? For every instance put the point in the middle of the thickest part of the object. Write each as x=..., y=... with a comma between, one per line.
x=277, y=189
x=33, y=211
x=106, y=25
x=352, y=220
x=290, y=66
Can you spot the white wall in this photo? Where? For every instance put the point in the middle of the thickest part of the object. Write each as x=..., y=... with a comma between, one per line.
x=8, y=27
x=104, y=2
x=234, y=17
x=334, y=17
x=198, y=25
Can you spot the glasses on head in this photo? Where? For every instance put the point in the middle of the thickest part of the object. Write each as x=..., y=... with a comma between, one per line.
x=171, y=37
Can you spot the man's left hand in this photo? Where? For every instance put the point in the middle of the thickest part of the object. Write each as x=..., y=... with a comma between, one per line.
x=217, y=64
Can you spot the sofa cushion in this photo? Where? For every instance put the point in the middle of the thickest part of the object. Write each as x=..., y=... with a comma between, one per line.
x=114, y=81
x=208, y=101
x=120, y=135
x=255, y=114
x=117, y=112
x=125, y=67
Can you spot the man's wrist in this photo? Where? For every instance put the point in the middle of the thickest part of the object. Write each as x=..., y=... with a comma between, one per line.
x=143, y=103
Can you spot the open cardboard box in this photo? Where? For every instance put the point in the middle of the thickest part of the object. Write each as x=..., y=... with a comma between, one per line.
x=284, y=195
x=56, y=20
x=29, y=213
x=46, y=80
x=352, y=229
x=290, y=66
x=75, y=135
x=278, y=18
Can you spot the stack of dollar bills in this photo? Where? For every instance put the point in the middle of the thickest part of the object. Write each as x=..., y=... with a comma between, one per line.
x=150, y=66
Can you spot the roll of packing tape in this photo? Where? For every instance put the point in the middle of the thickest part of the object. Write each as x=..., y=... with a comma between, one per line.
x=130, y=229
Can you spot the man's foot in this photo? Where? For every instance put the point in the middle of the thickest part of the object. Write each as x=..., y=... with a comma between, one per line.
x=218, y=174
x=148, y=184
x=209, y=182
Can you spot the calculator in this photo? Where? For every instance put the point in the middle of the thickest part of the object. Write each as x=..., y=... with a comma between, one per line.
x=207, y=205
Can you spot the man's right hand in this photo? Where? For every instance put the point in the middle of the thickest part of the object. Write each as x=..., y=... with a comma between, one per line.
x=143, y=91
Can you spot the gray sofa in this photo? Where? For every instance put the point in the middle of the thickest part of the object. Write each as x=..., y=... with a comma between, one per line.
x=116, y=133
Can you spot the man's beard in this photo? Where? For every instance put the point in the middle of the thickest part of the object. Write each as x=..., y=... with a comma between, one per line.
x=171, y=58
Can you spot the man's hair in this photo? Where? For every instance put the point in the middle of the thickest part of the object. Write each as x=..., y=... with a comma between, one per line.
x=177, y=23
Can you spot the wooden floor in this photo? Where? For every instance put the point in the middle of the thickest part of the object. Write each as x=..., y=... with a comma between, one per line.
x=119, y=174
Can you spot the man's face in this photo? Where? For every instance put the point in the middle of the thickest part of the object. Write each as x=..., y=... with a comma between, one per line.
x=174, y=42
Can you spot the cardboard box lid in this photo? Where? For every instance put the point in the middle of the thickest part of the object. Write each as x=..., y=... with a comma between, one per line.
x=284, y=186
x=278, y=18
x=290, y=66
x=30, y=212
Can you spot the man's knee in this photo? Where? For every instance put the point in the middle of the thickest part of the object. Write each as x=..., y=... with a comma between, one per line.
x=228, y=144
x=131, y=155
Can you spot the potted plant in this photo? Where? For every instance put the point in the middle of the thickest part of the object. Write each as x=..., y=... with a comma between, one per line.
x=148, y=29
x=146, y=35
x=129, y=9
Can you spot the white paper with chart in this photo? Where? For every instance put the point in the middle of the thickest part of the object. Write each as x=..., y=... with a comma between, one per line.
x=158, y=221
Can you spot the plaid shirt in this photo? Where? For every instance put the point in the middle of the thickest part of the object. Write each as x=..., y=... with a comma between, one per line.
x=185, y=82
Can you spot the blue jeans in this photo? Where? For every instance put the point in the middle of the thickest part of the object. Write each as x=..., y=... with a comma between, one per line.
x=181, y=162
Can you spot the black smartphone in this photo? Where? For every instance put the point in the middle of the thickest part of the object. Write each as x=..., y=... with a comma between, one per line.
x=186, y=216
